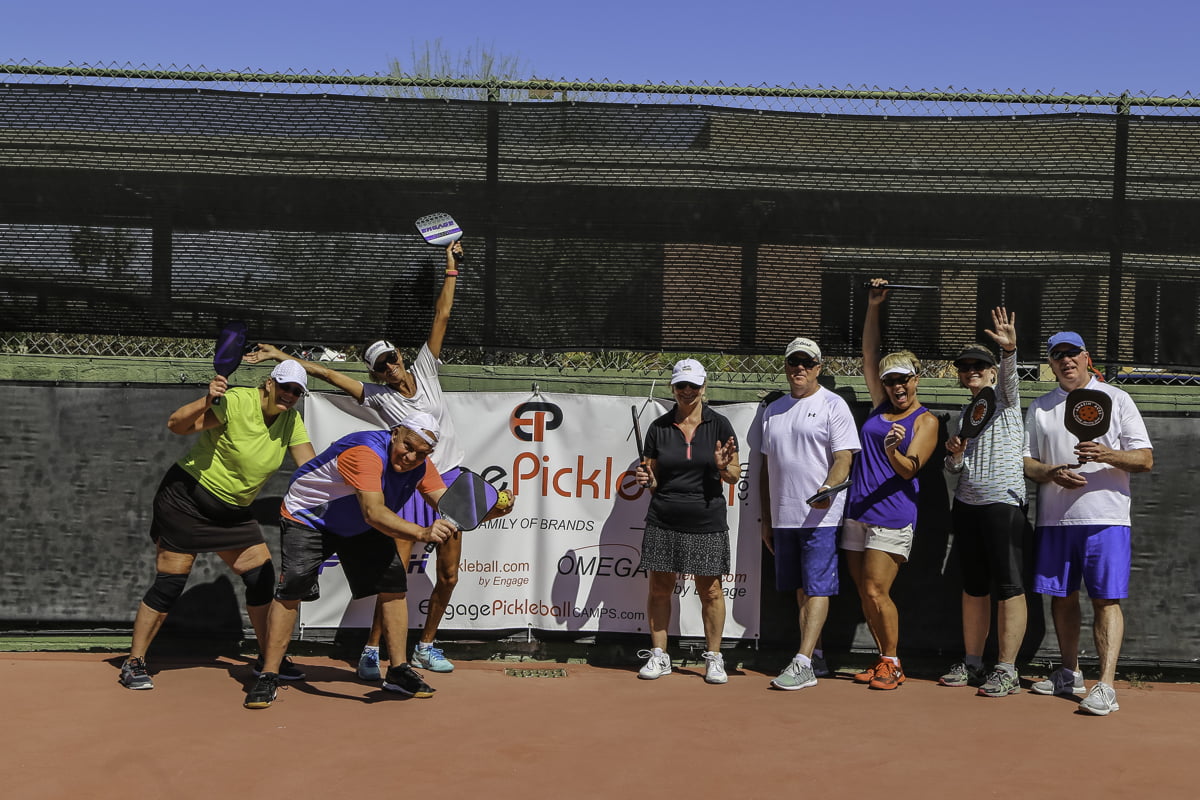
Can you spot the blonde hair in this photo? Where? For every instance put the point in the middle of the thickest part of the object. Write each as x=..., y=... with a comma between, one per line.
x=901, y=358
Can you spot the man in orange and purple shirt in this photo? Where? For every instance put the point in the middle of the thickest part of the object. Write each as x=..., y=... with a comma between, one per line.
x=344, y=501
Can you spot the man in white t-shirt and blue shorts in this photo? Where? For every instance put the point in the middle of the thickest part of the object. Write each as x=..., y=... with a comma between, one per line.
x=1083, y=522
x=808, y=440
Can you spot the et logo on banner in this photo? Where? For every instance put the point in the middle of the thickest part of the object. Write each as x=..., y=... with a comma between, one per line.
x=530, y=421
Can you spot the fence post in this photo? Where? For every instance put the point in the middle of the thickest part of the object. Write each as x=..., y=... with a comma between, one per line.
x=1116, y=245
x=491, y=193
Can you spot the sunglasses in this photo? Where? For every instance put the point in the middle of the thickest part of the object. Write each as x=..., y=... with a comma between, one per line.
x=900, y=381
x=290, y=388
x=684, y=386
x=971, y=366
x=801, y=361
x=386, y=361
x=1059, y=355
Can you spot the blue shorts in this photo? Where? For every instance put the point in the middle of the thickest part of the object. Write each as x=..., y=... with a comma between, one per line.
x=1100, y=555
x=806, y=559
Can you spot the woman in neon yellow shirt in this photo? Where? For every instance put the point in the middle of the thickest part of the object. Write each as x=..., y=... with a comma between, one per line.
x=203, y=502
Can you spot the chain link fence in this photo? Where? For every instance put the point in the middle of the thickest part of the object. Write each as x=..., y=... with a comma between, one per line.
x=853, y=100
x=761, y=187
x=731, y=368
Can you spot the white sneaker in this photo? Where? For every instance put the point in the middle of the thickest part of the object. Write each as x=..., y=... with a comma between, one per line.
x=1101, y=700
x=1062, y=682
x=657, y=664
x=714, y=671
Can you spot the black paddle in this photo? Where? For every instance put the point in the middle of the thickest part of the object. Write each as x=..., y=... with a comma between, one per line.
x=467, y=500
x=978, y=414
x=1088, y=415
x=828, y=492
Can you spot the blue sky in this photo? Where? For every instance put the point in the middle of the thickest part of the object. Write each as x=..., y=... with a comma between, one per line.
x=1070, y=47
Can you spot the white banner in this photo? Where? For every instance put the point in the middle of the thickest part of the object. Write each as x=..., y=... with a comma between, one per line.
x=567, y=557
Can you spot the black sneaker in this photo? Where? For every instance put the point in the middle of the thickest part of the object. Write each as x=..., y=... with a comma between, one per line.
x=405, y=680
x=134, y=674
x=263, y=692
x=288, y=671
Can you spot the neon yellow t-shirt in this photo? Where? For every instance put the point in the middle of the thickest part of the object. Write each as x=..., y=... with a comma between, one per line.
x=235, y=459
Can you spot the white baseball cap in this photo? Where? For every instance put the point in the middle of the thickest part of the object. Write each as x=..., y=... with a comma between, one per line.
x=802, y=345
x=689, y=370
x=290, y=372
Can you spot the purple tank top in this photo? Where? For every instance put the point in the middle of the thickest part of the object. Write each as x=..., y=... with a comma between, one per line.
x=878, y=496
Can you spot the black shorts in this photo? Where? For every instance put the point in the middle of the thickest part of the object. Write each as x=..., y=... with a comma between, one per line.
x=190, y=519
x=369, y=561
x=989, y=540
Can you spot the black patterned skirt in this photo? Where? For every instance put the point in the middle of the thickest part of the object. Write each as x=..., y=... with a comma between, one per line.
x=666, y=550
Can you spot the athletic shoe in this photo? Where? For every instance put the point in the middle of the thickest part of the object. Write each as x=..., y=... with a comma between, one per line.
x=404, y=679
x=819, y=667
x=368, y=665
x=887, y=675
x=963, y=674
x=714, y=670
x=867, y=674
x=263, y=692
x=795, y=676
x=1062, y=682
x=288, y=671
x=134, y=674
x=1000, y=683
x=431, y=658
x=1101, y=700
x=657, y=664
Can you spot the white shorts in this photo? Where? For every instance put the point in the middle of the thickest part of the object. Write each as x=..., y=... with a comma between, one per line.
x=859, y=536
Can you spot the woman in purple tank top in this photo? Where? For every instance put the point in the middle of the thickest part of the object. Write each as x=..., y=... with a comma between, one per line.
x=898, y=439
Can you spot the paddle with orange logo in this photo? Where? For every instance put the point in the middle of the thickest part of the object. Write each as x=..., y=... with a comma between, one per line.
x=978, y=414
x=1088, y=415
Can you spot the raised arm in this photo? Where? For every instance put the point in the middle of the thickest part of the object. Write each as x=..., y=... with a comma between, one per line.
x=872, y=340
x=445, y=300
x=197, y=415
x=1004, y=333
x=269, y=352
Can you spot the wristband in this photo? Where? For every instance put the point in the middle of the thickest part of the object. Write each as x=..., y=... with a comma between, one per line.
x=452, y=272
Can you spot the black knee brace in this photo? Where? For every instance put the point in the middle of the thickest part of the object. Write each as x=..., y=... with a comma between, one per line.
x=165, y=590
x=260, y=583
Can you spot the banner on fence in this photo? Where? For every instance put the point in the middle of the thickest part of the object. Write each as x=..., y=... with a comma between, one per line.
x=568, y=557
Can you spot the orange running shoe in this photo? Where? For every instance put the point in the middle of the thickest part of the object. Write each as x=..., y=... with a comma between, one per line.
x=867, y=675
x=887, y=675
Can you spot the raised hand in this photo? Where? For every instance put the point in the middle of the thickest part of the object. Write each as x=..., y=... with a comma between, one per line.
x=265, y=352
x=878, y=291
x=217, y=387
x=725, y=453
x=1004, y=329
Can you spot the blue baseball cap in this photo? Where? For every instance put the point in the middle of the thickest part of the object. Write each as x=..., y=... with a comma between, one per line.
x=1065, y=337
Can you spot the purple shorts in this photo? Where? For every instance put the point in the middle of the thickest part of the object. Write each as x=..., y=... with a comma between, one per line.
x=806, y=559
x=1100, y=555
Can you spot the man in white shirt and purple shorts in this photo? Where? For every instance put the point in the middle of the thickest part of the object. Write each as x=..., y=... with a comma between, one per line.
x=808, y=441
x=1083, y=525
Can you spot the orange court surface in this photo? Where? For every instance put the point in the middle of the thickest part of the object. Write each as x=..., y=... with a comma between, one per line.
x=71, y=731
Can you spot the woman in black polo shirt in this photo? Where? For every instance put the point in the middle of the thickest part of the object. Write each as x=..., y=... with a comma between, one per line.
x=690, y=453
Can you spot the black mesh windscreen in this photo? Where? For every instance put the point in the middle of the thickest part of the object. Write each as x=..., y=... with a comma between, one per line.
x=591, y=226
